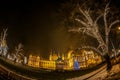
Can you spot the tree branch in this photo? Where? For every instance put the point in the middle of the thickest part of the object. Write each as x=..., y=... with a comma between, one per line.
x=4, y=34
x=95, y=22
x=82, y=22
x=86, y=14
x=114, y=22
x=89, y=17
x=105, y=16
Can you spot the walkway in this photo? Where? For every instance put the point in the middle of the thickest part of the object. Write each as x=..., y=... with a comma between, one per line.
x=92, y=75
x=99, y=74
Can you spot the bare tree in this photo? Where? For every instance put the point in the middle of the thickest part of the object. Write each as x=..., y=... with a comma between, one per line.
x=18, y=51
x=3, y=44
x=91, y=28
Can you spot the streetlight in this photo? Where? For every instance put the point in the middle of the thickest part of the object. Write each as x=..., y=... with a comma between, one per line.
x=118, y=28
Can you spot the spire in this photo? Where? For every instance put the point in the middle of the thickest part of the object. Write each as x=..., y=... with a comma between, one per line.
x=50, y=56
x=63, y=56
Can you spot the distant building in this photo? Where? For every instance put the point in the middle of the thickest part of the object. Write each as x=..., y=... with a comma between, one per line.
x=85, y=58
x=33, y=61
x=46, y=64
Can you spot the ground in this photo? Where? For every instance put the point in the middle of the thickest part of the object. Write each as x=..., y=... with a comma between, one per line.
x=115, y=73
x=101, y=74
x=96, y=73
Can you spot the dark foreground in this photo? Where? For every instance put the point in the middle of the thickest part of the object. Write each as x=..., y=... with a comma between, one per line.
x=14, y=69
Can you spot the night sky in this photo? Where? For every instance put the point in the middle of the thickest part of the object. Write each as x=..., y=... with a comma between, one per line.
x=36, y=25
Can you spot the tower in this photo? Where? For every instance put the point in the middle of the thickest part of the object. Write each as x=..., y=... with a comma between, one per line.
x=50, y=56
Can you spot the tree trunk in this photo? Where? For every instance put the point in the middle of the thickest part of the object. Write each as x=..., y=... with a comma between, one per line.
x=108, y=61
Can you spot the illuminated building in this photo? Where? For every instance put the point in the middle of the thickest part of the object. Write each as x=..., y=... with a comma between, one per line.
x=69, y=60
x=46, y=64
x=53, y=57
x=85, y=58
x=33, y=61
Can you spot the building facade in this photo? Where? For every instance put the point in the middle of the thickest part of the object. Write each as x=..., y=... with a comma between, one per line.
x=85, y=58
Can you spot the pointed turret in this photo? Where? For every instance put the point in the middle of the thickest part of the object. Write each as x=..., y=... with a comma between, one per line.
x=50, y=56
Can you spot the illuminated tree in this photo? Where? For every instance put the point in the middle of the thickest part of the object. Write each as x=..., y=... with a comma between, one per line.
x=91, y=27
x=18, y=52
x=66, y=12
x=3, y=44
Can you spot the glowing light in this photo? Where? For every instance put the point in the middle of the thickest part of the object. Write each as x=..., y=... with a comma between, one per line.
x=118, y=28
x=70, y=62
